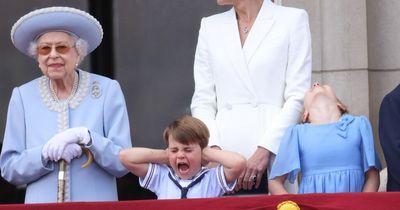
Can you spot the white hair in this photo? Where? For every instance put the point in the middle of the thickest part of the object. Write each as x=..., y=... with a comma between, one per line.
x=81, y=47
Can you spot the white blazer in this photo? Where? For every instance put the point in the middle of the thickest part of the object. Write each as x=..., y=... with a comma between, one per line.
x=249, y=96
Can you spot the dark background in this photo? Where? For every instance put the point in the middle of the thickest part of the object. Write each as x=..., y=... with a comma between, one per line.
x=148, y=47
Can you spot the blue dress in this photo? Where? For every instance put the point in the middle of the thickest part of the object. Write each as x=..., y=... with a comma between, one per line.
x=331, y=157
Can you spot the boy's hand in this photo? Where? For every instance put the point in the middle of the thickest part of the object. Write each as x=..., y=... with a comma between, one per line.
x=166, y=161
x=204, y=160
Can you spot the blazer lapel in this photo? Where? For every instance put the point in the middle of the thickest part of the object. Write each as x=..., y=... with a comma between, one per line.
x=259, y=30
x=230, y=37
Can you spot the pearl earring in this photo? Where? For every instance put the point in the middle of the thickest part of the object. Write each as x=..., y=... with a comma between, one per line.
x=77, y=62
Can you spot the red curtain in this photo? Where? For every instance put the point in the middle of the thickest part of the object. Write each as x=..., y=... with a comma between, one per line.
x=337, y=201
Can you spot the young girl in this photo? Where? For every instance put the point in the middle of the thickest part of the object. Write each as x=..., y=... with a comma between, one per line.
x=333, y=150
x=177, y=172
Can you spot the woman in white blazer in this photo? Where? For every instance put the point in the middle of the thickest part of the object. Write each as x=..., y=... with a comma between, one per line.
x=251, y=70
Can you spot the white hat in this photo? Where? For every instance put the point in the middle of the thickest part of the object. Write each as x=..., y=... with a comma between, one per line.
x=32, y=25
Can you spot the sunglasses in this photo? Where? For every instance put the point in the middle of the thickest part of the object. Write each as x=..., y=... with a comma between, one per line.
x=60, y=48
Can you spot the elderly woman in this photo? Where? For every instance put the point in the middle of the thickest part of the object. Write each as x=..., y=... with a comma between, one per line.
x=67, y=110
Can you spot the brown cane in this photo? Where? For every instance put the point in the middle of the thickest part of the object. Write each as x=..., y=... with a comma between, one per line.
x=61, y=181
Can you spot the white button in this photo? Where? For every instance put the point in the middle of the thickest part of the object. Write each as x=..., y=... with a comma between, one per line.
x=228, y=106
x=254, y=104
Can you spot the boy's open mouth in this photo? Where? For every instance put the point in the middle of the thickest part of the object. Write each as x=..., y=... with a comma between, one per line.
x=183, y=168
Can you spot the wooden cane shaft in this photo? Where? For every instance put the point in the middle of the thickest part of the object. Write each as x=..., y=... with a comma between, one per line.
x=61, y=181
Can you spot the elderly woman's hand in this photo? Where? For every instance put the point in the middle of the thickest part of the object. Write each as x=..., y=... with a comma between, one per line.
x=71, y=151
x=54, y=148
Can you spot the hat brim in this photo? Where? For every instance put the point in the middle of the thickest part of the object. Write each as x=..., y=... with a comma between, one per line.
x=38, y=22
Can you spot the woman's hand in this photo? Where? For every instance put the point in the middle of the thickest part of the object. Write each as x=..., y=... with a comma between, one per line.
x=255, y=168
x=71, y=151
x=54, y=148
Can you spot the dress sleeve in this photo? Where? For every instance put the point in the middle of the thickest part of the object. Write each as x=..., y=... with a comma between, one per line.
x=297, y=82
x=116, y=136
x=204, y=100
x=19, y=164
x=370, y=157
x=287, y=160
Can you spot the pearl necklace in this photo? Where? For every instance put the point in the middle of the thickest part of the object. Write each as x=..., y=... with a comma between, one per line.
x=73, y=91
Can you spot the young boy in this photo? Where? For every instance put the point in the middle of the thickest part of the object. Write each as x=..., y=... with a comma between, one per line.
x=177, y=172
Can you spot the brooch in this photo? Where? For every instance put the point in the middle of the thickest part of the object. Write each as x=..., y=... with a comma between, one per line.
x=95, y=90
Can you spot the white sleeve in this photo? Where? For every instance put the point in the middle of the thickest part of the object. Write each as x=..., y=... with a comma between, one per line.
x=150, y=180
x=297, y=81
x=204, y=101
x=226, y=187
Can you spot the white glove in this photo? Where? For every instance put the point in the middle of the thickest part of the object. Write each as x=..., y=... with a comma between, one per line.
x=71, y=151
x=54, y=148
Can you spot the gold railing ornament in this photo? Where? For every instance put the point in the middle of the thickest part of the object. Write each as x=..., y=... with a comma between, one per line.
x=287, y=205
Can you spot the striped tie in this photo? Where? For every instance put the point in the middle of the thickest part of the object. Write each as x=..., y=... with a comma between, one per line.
x=184, y=190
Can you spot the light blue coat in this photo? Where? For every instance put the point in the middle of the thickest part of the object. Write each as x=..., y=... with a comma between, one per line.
x=33, y=118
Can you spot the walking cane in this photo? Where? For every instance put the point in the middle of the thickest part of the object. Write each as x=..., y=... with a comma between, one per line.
x=62, y=174
x=61, y=181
